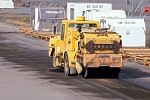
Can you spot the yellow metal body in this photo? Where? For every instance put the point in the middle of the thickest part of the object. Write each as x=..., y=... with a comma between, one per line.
x=85, y=45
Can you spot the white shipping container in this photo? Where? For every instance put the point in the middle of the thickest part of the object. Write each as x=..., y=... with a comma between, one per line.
x=6, y=4
x=78, y=9
x=95, y=14
x=132, y=31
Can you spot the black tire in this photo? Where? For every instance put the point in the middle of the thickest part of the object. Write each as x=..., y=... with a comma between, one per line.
x=86, y=73
x=52, y=52
x=115, y=72
x=73, y=71
x=66, y=65
x=54, y=60
x=55, y=68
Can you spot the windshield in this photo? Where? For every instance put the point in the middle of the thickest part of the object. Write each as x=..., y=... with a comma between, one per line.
x=82, y=25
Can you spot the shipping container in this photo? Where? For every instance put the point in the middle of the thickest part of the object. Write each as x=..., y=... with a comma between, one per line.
x=78, y=9
x=96, y=14
x=132, y=31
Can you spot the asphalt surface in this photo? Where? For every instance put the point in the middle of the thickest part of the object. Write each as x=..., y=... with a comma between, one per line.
x=25, y=75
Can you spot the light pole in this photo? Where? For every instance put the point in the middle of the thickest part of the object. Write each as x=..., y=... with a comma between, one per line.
x=132, y=8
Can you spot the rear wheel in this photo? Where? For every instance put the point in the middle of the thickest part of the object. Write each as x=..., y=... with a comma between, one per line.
x=69, y=71
x=66, y=65
x=86, y=73
x=107, y=72
x=115, y=72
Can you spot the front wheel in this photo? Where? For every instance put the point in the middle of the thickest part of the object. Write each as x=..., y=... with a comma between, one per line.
x=54, y=60
x=55, y=68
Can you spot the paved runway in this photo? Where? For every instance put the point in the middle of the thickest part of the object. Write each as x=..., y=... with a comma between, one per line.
x=24, y=75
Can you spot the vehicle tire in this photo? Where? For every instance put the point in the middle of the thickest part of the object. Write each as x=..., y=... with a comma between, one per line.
x=66, y=65
x=115, y=72
x=86, y=73
x=54, y=60
x=52, y=52
x=73, y=71
x=55, y=68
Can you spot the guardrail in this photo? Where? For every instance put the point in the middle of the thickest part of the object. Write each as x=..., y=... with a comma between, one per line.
x=137, y=55
x=40, y=35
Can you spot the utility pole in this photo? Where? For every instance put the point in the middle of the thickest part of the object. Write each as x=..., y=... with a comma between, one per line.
x=132, y=8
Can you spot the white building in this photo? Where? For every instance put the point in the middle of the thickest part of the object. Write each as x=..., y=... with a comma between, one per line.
x=6, y=4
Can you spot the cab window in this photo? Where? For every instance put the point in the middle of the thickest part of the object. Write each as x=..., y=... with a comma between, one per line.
x=82, y=25
x=62, y=31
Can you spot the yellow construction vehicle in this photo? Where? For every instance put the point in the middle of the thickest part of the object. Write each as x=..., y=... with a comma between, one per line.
x=82, y=46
